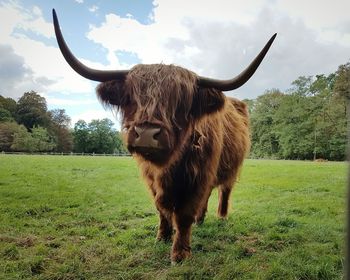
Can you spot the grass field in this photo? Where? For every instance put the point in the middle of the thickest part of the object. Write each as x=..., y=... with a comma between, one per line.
x=92, y=218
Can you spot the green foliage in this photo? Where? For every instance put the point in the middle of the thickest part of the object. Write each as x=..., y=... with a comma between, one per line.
x=37, y=141
x=5, y=115
x=342, y=83
x=42, y=141
x=32, y=110
x=308, y=122
x=22, y=141
x=71, y=217
x=102, y=136
x=98, y=136
x=81, y=137
x=59, y=128
x=8, y=104
x=50, y=130
x=264, y=133
x=7, y=132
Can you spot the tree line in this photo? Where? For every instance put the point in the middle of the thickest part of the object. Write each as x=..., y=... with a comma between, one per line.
x=28, y=126
x=309, y=121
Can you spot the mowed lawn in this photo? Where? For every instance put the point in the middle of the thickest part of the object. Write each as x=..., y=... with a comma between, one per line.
x=67, y=217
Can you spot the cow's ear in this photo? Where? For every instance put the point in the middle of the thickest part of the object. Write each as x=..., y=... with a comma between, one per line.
x=112, y=93
x=207, y=101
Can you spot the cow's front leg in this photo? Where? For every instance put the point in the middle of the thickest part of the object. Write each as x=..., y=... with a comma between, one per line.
x=164, y=208
x=181, y=248
x=165, y=229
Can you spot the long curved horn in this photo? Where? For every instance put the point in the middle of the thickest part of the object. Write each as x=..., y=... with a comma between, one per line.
x=242, y=78
x=80, y=68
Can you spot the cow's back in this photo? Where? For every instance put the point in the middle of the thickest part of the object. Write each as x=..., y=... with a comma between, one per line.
x=236, y=142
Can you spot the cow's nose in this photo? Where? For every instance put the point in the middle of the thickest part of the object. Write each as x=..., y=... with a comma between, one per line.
x=146, y=137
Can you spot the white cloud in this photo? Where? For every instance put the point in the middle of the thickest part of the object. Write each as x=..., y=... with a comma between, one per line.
x=93, y=8
x=79, y=1
x=321, y=15
x=220, y=38
x=14, y=16
x=48, y=64
x=66, y=102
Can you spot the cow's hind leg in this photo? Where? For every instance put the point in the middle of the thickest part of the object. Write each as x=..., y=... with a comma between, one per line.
x=203, y=210
x=201, y=214
x=224, y=198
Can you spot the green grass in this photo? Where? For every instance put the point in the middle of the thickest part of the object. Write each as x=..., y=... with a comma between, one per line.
x=92, y=218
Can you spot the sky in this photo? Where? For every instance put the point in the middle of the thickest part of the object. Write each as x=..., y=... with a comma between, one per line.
x=216, y=38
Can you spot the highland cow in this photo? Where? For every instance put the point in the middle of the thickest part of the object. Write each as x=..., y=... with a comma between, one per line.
x=186, y=136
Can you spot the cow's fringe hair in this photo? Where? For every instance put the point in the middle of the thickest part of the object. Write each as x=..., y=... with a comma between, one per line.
x=111, y=93
x=158, y=90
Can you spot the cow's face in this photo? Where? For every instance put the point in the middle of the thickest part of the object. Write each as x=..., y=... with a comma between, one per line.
x=159, y=106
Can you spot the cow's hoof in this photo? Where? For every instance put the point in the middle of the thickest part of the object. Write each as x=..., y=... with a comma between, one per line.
x=179, y=256
x=199, y=221
x=200, y=218
x=163, y=237
x=223, y=217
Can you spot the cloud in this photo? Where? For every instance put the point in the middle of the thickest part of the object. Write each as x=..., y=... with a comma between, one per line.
x=67, y=102
x=79, y=1
x=16, y=18
x=93, y=8
x=15, y=77
x=295, y=52
x=43, y=68
x=323, y=16
x=220, y=40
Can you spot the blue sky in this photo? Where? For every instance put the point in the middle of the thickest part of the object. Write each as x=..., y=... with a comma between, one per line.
x=212, y=38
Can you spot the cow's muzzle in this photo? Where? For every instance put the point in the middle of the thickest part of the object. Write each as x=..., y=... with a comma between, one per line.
x=150, y=141
x=147, y=137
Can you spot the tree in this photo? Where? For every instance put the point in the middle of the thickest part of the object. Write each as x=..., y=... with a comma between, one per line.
x=103, y=138
x=301, y=86
x=98, y=136
x=307, y=123
x=264, y=136
x=120, y=147
x=7, y=132
x=22, y=140
x=41, y=140
x=81, y=137
x=328, y=113
x=38, y=140
x=59, y=128
x=5, y=115
x=342, y=82
x=60, y=118
x=8, y=104
x=342, y=87
x=32, y=110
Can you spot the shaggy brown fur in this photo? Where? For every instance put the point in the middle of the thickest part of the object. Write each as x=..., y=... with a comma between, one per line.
x=206, y=135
